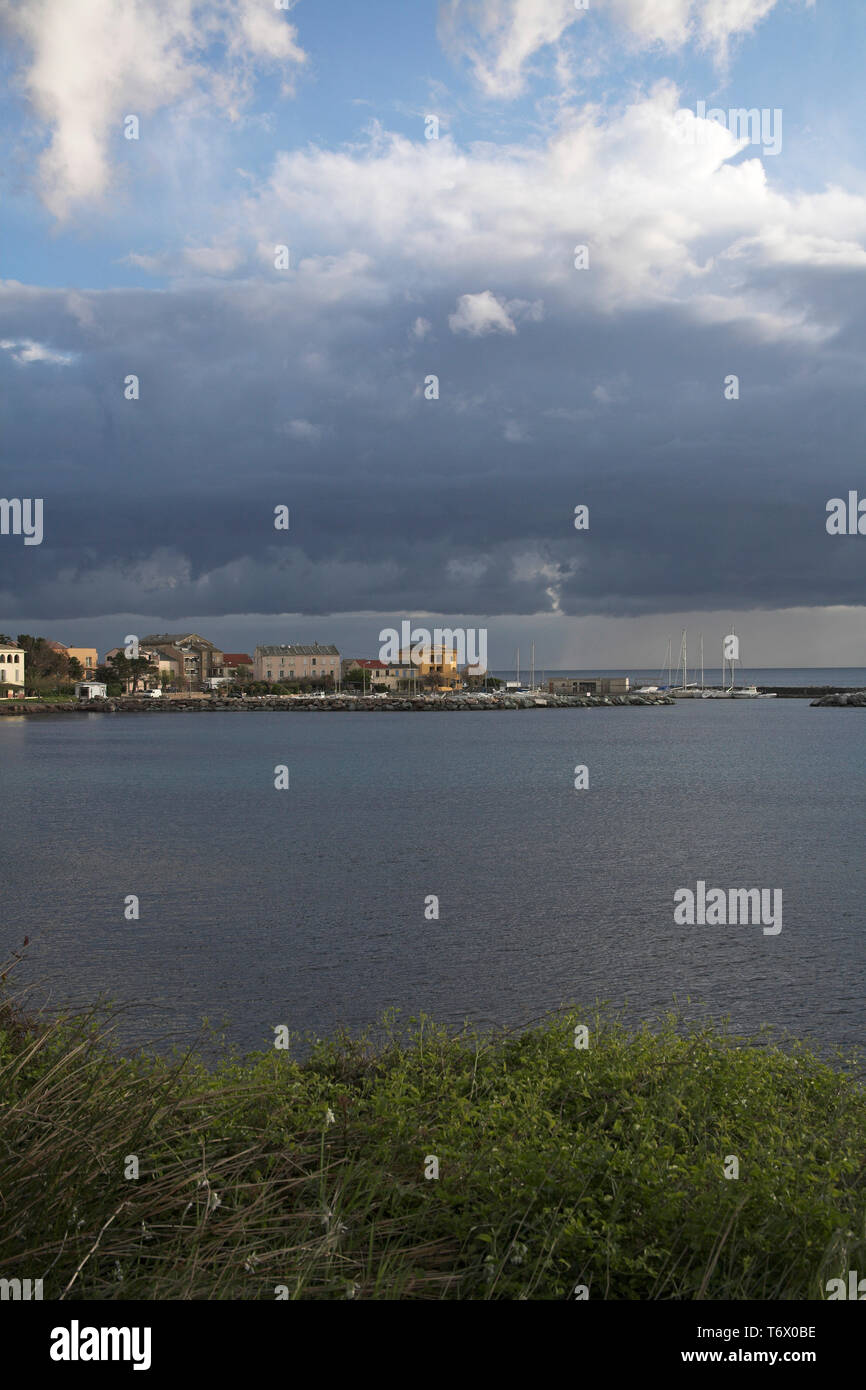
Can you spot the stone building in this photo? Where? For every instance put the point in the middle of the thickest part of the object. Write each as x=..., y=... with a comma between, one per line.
x=196, y=658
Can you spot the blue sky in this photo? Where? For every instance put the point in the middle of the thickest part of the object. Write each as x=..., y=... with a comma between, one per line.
x=453, y=257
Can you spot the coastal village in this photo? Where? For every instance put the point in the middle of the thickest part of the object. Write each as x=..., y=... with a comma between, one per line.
x=187, y=664
x=186, y=671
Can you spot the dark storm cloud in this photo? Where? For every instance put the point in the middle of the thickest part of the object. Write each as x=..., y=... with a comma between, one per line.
x=254, y=395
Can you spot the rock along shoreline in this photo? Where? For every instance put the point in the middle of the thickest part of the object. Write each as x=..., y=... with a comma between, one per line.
x=857, y=698
x=263, y=703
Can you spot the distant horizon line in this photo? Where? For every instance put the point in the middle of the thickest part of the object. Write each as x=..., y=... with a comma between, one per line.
x=825, y=667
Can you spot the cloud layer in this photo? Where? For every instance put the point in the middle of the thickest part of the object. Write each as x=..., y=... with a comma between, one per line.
x=582, y=292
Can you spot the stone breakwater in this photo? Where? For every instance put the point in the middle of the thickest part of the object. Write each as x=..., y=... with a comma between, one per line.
x=851, y=697
x=260, y=704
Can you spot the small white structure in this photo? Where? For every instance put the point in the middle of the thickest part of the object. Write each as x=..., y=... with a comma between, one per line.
x=90, y=690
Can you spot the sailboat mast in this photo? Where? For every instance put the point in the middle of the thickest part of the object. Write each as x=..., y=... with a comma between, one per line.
x=532, y=668
x=518, y=666
x=702, y=662
x=681, y=663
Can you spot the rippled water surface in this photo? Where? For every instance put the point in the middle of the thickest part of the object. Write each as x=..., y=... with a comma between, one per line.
x=306, y=906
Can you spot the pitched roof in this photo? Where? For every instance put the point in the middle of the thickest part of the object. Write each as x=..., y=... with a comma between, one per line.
x=236, y=659
x=173, y=639
x=295, y=650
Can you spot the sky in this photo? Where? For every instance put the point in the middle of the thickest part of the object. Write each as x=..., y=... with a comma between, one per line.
x=326, y=205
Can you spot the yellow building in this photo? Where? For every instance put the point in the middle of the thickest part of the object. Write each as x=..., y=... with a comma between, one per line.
x=11, y=670
x=87, y=657
x=439, y=667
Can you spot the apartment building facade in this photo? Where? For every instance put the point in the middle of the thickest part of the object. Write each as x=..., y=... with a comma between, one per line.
x=194, y=657
x=297, y=662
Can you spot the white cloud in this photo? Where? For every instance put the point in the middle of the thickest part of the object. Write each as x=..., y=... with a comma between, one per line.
x=514, y=432
x=674, y=23
x=190, y=262
x=304, y=431
x=612, y=392
x=92, y=62
x=26, y=351
x=213, y=260
x=666, y=219
x=258, y=29
x=500, y=38
x=420, y=328
x=785, y=246
x=477, y=314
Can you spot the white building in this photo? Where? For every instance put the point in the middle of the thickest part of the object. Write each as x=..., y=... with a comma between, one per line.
x=11, y=670
x=90, y=690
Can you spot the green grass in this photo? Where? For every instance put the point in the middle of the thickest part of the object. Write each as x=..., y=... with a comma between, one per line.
x=558, y=1167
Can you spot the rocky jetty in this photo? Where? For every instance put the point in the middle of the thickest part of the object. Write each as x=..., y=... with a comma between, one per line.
x=849, y=697
x=265, y=703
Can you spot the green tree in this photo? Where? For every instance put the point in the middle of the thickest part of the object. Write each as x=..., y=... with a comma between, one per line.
x=45, y=670
x=129, y=670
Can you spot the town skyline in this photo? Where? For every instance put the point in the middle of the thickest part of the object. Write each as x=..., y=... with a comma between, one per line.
x=798, y=638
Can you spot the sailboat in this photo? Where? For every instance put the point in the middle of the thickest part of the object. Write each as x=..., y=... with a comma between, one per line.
x=726, y=693
x=732, y=692
x=745, y=692
x=688, y=690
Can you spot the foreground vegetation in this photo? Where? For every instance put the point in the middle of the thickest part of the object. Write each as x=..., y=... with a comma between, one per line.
x=274, y=1177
